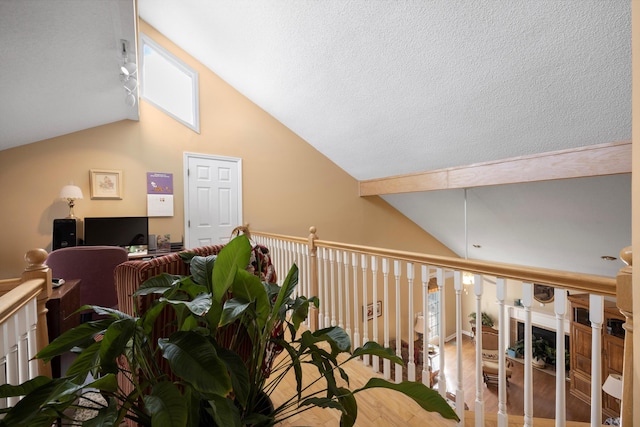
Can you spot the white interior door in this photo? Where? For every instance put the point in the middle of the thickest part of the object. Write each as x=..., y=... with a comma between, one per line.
x=213, y=198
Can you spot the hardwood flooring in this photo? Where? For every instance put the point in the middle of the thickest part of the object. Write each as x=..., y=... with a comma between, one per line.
x=381, y=407
x=544, y=386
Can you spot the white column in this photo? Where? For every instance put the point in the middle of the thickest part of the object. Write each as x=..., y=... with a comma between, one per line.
x=332, y=285
x=502, y=369
x=375, y=360
x=527, y=300
x=596, y=315
x=411, y=365
x=386, y=364
x=426, y=375
x=560, y=307
x=457, y=282
x=365, y=319
x=347, y=301
x=356, y=310
x=479, y=404
x=442, y=379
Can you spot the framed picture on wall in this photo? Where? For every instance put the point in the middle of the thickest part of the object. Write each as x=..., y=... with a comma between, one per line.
x=542, y=293
x=105, y=184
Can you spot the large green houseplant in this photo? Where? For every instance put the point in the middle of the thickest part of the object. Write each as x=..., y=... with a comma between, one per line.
x=214, y=380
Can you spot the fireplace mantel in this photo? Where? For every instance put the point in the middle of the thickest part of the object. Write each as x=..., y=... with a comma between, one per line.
x=542, y=320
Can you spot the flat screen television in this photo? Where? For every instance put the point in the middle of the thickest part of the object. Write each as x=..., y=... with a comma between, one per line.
x=117, y=231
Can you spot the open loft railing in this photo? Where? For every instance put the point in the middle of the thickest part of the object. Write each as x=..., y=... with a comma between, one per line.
x=376, y=294
x=23, y=323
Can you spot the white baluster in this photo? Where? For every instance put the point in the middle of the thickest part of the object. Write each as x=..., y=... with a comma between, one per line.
x=411, y=364
x=560, y=307
x=375, y=360
x=502, y=369
x=356, y=311
x=457, y=283
x=327, y=285
x=527, y=300
x=479, y=403
x=386, y=364
x=442, y=379
x=398, y=311
x=340, y=290
x=426, y=375
x=333, y=287
x=365, y=318
x=596, y=315
x=345, y=262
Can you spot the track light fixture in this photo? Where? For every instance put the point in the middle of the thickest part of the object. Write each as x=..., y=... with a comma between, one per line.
x=128, y=73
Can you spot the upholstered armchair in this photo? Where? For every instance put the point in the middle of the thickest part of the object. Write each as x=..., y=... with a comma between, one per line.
x=94, y=266
x=490, y=354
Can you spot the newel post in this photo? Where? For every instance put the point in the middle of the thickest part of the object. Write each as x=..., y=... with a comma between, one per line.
x=313, y=277
x=36, y=269
x=625, y=304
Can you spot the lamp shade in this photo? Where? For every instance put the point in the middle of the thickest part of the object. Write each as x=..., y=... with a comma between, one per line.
x=419, y=326
x=71, y=192
x=613, y=386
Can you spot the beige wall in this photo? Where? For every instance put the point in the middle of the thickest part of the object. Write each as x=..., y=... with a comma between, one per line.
x=287, y=184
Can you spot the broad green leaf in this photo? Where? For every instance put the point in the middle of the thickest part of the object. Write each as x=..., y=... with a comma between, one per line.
x=33, y=407
x=427, y=398
x=349, y=407
x=232, y=310
x=198, y=306
x=157, y=284
x=113, y=343
x=77, y=337
x=110, y=312
x=8, y=390
x=166, y=405
x=193, y=358
x=288, y=286
x=248, y=287
x=238, y=373
x=233, y=257
x=375, y=349
x=201, y=269
x=224, y=412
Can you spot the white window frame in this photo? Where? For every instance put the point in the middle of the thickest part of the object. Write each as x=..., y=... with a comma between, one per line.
x=188, y=72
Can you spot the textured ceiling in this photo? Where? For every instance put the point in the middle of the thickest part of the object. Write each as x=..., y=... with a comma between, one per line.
x=409, y=86
x=381, y=88
x=59, y=62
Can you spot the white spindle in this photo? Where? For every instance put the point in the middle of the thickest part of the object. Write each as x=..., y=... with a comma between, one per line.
x=386, y=364
x=399, y=368
x=332, y=285
x=457, y=283
x=375, y=360
x=442, y=379
x=426, y=374
x=596, y=315
x=356, y=311
x=560, y=307
x=502, y=369
x=479, y=402
x=323, y=285
x=527, y=300
x=365, y=318
x=11, y=346
x=411, y=364
x=345, y=262
x=340, y=289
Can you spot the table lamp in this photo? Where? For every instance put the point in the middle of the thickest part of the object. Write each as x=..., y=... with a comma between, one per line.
x=71, y=193
x=613, y=386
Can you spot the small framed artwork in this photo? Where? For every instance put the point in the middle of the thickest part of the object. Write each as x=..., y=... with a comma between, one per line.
x=542, y=293
x=105, y=184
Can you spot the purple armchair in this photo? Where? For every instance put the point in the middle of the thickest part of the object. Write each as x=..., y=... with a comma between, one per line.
x=94, y=266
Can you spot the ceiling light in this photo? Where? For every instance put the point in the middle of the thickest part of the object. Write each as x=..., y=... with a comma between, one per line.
x=128, y=71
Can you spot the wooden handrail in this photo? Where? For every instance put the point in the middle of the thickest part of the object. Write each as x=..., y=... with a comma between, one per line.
x=557, y=278
x=35, y=282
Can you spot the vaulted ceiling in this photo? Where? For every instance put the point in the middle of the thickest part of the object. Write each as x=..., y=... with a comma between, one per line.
x=382, y=89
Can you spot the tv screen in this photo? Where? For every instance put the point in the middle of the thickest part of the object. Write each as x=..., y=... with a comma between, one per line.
x=116, y=231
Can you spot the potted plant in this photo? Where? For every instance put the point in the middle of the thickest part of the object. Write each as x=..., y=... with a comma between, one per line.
x=539, y=351
x=213, y=380
x=485, y=319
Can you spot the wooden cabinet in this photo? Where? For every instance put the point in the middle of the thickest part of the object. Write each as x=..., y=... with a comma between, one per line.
x=612, y=352
x=62, y=303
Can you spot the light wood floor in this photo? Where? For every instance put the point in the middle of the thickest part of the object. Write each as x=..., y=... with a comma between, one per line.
x=381, y=407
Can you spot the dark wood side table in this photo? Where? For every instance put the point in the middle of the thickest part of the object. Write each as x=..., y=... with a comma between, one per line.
x=64, y=300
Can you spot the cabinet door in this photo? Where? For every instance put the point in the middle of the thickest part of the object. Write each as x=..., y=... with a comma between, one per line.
x=581, y=349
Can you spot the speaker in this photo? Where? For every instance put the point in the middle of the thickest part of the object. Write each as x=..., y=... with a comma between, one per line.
x=153, y=242
x=65, y=233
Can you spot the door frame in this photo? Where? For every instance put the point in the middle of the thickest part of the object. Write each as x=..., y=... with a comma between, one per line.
x=185, y=174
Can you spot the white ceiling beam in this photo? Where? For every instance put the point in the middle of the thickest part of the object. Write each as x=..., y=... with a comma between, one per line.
x=594, y=160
